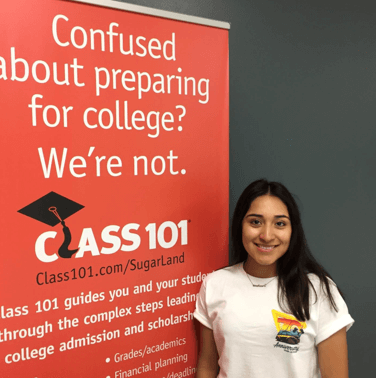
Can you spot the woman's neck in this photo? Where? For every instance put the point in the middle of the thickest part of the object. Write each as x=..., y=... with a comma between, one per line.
x=261, y=271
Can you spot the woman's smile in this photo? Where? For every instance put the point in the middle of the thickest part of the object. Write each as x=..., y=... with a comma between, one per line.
x=265, y=248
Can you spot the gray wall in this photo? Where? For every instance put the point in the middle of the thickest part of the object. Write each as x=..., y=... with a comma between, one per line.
x=302, y=111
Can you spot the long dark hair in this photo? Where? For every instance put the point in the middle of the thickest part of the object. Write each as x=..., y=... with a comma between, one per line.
x=294, y=266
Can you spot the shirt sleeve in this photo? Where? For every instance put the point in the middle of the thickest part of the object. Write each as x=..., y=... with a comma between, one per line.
x=331, y=321
x=201, y=311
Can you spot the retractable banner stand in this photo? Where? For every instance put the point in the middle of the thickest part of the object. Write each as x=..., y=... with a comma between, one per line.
x=114, y=187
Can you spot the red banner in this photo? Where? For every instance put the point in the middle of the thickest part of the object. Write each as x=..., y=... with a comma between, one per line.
x=114, y=195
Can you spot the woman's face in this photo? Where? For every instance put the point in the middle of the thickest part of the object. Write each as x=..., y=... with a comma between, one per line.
x=266, y=234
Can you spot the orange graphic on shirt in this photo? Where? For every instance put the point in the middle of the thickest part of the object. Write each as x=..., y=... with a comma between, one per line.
x=289, y=328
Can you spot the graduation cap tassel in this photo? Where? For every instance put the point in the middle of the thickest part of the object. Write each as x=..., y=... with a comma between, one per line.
x=53, y=209
x=64, y=252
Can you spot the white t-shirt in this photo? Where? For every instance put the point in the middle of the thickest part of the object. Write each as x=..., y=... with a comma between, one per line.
x=255, y=338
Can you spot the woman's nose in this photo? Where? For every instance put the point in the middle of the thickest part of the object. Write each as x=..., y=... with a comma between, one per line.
x=267, y=234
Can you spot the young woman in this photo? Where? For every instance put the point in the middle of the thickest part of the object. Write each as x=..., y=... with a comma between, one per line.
x=275, y=313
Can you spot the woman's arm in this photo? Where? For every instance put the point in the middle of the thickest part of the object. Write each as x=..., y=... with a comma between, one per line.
x=333, y=360
x=207, y=366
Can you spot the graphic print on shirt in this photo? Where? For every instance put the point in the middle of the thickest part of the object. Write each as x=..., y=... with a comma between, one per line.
x=289, y=330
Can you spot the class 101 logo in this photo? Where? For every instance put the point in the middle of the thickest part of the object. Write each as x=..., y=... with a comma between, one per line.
x=126, y=239
x=53, y=209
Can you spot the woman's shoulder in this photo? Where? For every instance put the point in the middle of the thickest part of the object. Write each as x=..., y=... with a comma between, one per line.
x=314, y=279
x=320, y=289
x=224, y=275
x=317, y=283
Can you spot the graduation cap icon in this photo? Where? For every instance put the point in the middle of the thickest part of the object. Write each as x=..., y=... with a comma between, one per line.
x=53, y=209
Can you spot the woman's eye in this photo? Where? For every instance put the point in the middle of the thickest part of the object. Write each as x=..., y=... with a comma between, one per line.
x=255, y=222
x=281, y=224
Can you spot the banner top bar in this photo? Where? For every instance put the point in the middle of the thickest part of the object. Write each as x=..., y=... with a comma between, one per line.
x=156, y=12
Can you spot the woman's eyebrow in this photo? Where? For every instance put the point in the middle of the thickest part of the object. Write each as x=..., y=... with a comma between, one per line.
x=255, y=215
x=261, y=216
x=282, y=216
